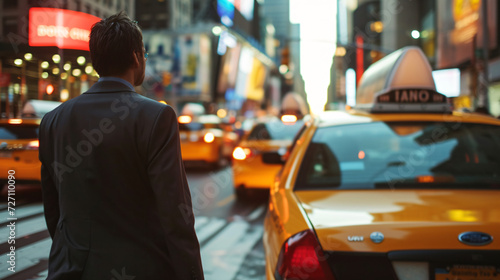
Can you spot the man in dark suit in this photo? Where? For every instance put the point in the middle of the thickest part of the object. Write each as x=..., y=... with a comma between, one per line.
x=116, y=199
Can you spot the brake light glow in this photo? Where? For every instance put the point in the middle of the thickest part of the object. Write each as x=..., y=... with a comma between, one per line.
x=288, y=118
x=184, y=119
x=302, y=257
x=209, y=137
x=33, y=145
x=240, y=153
x=361, y=155
x=15, y=121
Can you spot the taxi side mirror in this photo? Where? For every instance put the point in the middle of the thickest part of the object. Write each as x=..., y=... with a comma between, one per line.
x=272, y=158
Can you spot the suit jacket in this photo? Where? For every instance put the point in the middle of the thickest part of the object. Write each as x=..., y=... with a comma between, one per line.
x=115, y=194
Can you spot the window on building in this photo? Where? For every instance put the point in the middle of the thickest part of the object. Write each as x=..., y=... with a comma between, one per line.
x=9, y=4
x=9, y=25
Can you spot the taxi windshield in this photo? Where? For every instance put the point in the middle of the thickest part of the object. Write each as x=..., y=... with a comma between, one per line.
x=275, y=130
x=18, y=132
x=402, y=155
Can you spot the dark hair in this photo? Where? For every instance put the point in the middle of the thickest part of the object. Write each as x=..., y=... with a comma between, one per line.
x=112, y=43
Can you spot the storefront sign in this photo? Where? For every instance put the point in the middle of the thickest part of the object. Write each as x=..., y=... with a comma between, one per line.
x=64, y=29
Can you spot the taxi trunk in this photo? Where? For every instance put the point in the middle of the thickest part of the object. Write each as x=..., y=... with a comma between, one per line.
x=393, y=232
x=252, y=172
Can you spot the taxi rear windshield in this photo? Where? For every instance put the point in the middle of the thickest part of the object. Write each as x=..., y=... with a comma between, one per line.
x=402, y=155
x=196, y=126
x=275, y=130
x=18, y=132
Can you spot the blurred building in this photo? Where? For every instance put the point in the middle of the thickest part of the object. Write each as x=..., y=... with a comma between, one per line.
x=164, y=14
x=286, y=47
x=450, y=33
x=219, y=60
x=41, y=58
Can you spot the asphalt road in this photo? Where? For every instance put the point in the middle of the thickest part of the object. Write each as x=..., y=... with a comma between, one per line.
x=229, y=231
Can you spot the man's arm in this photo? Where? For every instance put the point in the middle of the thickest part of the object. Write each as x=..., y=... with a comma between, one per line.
x=173, y=198
x=49, y=190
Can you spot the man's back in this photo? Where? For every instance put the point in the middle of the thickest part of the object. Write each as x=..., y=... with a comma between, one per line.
x=115, y=193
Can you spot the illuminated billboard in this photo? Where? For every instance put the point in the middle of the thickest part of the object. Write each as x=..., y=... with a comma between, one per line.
x=459, y=22
x=60, y=28
x=226, y=8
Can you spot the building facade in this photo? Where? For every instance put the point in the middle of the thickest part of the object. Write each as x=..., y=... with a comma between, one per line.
x=458, y=37
x=41, y=58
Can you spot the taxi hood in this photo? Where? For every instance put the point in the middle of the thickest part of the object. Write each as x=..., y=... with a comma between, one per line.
x=402, y=219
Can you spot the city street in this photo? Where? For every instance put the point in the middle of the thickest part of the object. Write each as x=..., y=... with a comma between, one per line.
x=229, y=231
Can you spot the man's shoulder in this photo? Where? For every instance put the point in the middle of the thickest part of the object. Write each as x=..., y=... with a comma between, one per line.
x=58, y=109
x=151, y=105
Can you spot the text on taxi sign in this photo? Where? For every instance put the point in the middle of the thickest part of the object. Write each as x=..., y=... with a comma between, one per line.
x=412, y=96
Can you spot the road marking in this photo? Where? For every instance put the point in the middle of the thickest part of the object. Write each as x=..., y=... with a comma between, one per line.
x=225, y=201
x=199, y=222
x=26, y=257
x=206, y=232
x=224, y=254
x=26, y=227
x=256, y=213
x=27, y=210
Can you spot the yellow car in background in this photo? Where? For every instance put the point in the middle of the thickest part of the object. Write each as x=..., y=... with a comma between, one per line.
x=204, y=142
x=249, y=170
x=400, y=187
x=19, y=150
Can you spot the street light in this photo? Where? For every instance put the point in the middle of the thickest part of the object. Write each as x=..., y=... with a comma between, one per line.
x=216, y=30
x=44, y=65
x=77, y=72
x=28, y=56
x=89, y=69
x=415, y=34
x=80, y=60
x=56, y=58
x=18, y=62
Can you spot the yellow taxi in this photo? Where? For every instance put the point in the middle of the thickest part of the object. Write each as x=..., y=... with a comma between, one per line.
x=19, y=150
x=400, y=187
x=204, y=142
x=270, y=135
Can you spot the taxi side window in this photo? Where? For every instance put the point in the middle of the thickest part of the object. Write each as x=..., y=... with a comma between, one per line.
x=321, y=166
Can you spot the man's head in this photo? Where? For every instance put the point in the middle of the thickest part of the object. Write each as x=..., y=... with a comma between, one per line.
x=116, y=47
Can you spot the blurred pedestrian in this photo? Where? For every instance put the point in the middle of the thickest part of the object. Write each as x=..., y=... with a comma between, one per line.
x=115, y=194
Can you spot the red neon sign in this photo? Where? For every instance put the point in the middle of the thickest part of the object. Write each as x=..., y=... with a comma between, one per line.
x=360, y=64
x=64, y=29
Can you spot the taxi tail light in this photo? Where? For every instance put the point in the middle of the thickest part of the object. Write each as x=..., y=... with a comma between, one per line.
x=184, y=119
x=240, y=153
x=289, y=118
x=302, y=257
x=15, y=121
x=209, y=137
x=33, y=145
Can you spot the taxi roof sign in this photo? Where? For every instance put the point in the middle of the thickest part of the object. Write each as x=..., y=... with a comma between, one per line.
x=400, y=82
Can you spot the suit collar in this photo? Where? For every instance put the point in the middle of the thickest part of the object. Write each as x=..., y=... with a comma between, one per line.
x=108, y=87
